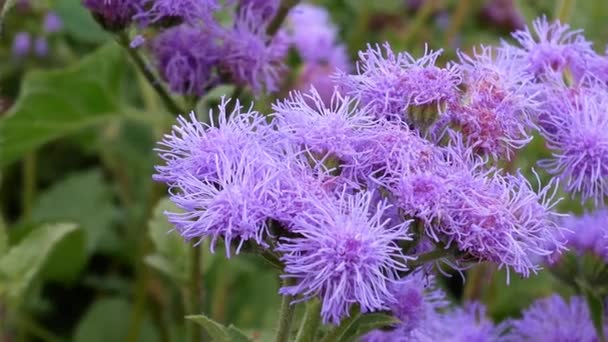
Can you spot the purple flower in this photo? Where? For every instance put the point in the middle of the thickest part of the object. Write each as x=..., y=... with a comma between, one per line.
x=318, y=76
x=345, y=254
x=250, y=56
x=578, y=138
x=390, y=83
x=52, y=23
x=499, y=106
x=193, y=148
x=323, y=131
x=185, y=56
x=554, y=319
x=137, y=41
x=552, y=47
x=266, y=9
x=41, y=47
x=588, y=233
x=234, y=206
x=114, y=15
x=503, y=13
x=315, y=37
x=22, y=44
x=187, y=11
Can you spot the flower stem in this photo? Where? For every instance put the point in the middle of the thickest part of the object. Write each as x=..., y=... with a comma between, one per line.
x=286, y=314
x=29, y=184
x=310, y=322
x=196, y=290
x=278, y=19
x=145, y=69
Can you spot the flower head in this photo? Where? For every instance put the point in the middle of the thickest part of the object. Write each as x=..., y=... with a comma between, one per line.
x=234, y=206
x=193, y=148
x=114, y=14
x=345, y=254
x=52, y=23
x=250, y=56
x=579, y=141
x=498, y=107
x=265, y=9
x=554, y=319
x=588, y=233
x=552, y=47
x=41, y=47
x=22, y=44
x=390, y=83
x=185, y=56
x=186, y=11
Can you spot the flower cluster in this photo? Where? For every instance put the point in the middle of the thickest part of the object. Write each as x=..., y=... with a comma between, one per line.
x=359, y=194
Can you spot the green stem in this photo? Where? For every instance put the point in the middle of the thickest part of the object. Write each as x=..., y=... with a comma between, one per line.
x=457, y=20
x=421, y=16
x=141, y=64
x=563, y=10
x=286, y=314
x=29, y=184
x=433, y=255
x=196, y=290
x=339, y=331
x=310, y=322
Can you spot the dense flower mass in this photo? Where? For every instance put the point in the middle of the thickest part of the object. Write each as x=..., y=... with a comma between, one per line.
x=588, y=233
x=554, y=319
x=358, y=189
x=114, y=14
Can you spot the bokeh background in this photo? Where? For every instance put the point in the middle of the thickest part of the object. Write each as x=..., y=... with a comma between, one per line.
x=78, y=125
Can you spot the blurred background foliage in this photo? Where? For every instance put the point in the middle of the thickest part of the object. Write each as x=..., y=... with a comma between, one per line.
x=84, y=249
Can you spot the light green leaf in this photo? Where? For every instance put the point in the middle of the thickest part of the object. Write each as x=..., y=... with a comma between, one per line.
x=107, y=320
x=237, y=335
x=171, y=251
x=368, y=322
x=218, y=332
x=20, y=266
x=83, y=198
x=78, y=22
x=53, y=104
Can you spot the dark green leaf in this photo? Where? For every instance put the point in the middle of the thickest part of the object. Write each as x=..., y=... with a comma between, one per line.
x=596, y=310
x=218, y=332
x=20, y=266
x=368, y=322
x=49, y=106
x=3, y=238
x=108, y=320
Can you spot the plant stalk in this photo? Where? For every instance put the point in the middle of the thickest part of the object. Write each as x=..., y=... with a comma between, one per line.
x=310, y=322
x=286, y=314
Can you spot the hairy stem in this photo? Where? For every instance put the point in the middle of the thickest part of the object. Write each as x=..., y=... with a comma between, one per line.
x=310, y=322
x=279, y=18
x=196, y=290
x=286, y=314
x=148, y=73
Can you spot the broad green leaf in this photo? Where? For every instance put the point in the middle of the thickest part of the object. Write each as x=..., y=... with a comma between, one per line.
x=108, y=320
x=83, y=198
x=216, y=331
x=53, y=104
x=78, y=22
x=171, y=251
x=596, y=308
x=237, y=335
x=20, y=266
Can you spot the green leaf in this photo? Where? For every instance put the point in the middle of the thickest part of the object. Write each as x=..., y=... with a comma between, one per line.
x=237, y=335
x=8, y=4
x=596, y=310
x=107, y=320
x=216, y=331
x=20, y=266
x=368, y=322
x=171, y=251
x=83, y=198
x=79, y=23
x=53, y=104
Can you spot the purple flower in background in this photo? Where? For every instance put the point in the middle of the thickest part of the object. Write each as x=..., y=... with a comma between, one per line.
x=499, y=105
x=234, y=206
x=588, y=233
x=390, y=83
x=194, y=148
x=554, y=319
x=187, y=11
x=579, y=141
x=552, y=47
x=266, y=9
x=345, y=254
x=52, y=23
x=503, y=13
x=250, y=56
x=137, y=41
x=185, y=56
x=318, y=76
x=22, y=44
x=41, y=47
x=114, y=14
x=324, y=131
